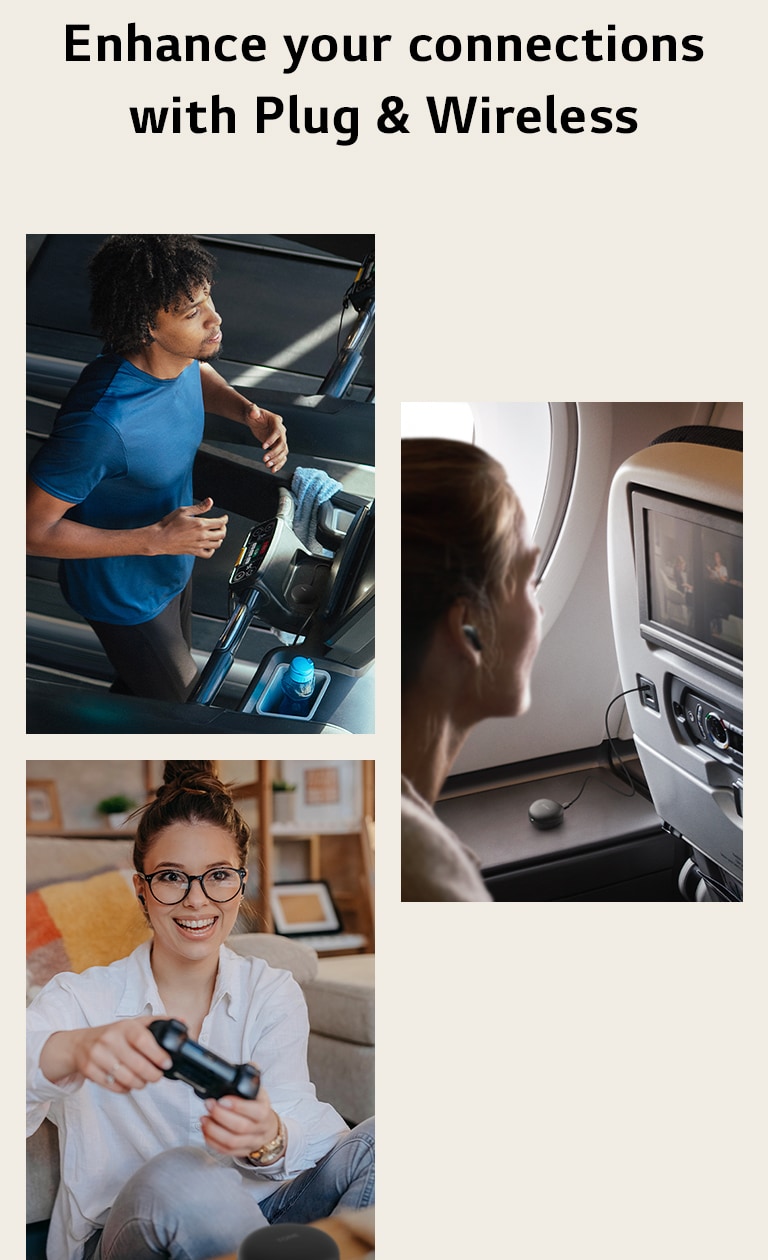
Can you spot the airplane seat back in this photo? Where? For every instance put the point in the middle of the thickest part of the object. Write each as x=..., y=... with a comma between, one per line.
x=675, y=571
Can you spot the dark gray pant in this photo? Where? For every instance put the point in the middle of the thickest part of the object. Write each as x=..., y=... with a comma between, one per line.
x=153, y=660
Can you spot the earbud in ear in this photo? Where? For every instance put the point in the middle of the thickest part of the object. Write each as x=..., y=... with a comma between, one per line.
x=473, y=637
x=141, y=899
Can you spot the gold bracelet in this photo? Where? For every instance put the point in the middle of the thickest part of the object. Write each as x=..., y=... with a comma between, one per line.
x=272, y=1151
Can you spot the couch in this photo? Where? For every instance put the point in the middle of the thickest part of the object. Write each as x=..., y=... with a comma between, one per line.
x=64, y=875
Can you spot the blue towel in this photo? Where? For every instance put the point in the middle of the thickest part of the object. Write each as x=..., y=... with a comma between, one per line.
x=312, y=488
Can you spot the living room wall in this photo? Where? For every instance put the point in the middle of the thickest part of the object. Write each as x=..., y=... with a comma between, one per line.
x=80, y=785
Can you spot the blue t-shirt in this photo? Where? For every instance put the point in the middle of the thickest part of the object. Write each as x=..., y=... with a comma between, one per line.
x=122, y=451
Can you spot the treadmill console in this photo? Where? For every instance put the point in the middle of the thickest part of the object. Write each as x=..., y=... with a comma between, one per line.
x=290, y=580
x=252, y=555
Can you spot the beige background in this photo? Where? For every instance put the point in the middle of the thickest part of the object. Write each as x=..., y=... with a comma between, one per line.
x=552, y=1079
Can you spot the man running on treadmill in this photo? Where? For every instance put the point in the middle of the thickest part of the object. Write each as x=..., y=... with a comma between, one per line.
x=110, y=492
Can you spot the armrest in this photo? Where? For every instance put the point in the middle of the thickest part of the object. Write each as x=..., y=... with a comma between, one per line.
x=277, y=951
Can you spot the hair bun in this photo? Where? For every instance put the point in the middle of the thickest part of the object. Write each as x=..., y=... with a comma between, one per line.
x=180, y=771
x=192, y=776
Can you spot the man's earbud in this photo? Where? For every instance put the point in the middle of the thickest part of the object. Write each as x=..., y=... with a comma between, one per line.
x=141, y=899
x=473, y=637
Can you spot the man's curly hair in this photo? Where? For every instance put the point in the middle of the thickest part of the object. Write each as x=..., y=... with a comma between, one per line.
x=134, y=277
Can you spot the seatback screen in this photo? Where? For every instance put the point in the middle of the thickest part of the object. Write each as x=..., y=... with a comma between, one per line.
x=694, y=578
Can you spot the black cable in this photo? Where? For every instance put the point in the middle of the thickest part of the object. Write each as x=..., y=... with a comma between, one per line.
x=617, y=755
x=345, y=301
x=344, y=307
x=713, y=884
x=300, y=632
x=716, y=886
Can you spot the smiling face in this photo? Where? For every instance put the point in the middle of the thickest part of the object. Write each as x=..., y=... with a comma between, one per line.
x=194, y=928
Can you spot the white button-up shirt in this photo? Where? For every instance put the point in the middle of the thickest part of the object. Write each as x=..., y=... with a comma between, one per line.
x=257, y=1014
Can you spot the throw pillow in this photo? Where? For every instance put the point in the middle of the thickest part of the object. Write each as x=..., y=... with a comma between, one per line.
x=79, y=924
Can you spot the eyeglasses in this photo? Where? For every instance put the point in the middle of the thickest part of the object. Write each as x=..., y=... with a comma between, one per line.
x=170, y=887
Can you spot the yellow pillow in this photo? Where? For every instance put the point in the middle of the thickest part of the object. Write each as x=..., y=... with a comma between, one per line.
x=81, y=923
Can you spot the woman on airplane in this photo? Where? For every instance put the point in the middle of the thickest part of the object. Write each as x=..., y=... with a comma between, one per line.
x=148, y=1168
x=470, y=633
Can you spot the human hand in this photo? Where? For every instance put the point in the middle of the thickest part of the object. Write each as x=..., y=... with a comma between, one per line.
x=237, y=1126
x=186, y=532
x=119, y=1057
x=269, y=430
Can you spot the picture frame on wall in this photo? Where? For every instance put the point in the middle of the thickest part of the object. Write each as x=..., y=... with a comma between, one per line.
x=43, y=809
x=329, y=794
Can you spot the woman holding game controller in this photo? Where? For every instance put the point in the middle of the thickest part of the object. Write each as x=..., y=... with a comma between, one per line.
x=148, y=1168
x=470, y=633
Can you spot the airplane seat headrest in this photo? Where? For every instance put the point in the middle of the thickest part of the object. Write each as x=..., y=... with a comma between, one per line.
x=703, y=435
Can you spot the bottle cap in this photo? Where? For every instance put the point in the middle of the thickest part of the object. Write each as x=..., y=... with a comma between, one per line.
x=301, y=670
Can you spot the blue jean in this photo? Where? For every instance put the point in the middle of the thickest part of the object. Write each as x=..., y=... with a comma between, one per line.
x=185, y=1205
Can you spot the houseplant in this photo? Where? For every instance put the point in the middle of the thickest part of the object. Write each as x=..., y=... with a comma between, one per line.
x=116, y=809
x=283, y=801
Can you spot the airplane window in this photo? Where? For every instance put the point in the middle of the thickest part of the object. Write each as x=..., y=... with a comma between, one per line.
x=519, y=435
x=432, y=419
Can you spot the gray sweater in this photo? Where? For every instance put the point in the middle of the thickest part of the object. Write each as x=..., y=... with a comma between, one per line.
x=435, y=865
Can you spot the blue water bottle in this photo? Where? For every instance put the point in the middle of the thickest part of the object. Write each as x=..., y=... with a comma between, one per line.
x=298, y=687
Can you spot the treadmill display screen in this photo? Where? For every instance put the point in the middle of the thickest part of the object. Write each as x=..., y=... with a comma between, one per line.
x=252, y=554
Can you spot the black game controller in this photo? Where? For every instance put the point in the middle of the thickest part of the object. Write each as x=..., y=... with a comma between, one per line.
x=209, y=1076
